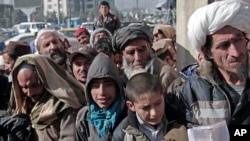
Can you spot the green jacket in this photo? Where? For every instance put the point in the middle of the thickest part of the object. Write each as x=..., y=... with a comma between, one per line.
x=128, y=130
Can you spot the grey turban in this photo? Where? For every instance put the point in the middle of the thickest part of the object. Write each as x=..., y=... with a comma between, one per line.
x=211, y=18
x=126, y=34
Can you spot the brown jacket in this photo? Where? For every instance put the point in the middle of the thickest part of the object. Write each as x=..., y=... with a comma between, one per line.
x=63, y=129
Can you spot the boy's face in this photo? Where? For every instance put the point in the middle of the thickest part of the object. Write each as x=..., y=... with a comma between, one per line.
x=103, y=92
x=149, y=106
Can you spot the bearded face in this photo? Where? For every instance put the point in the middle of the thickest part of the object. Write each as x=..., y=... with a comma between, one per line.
x=50, y=45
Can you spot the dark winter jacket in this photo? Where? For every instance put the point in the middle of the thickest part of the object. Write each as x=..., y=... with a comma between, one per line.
x=205, y=98
x=4, y=92
x=15, y=128
x=128, y=130
x=112, y=23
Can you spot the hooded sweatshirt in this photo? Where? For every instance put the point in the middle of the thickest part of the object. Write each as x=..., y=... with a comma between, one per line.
x=101, y=67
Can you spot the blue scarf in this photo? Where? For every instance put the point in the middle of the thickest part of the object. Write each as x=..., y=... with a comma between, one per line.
x=104, y=120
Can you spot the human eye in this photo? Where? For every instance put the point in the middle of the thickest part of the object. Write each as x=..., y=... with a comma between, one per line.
x=142, y=49
x=145, y=108
x=238, y=40
x=158, y=102
x=95, y=85
x=77, y=64
x=34, y=85
x=109, y=83
x=130, y=52
x=224, y=45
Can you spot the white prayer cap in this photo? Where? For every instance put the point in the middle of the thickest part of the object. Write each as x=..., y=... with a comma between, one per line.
x=45, y=30
x=211, y=18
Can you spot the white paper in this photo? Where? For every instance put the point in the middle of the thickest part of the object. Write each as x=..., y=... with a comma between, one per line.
x=213, y=132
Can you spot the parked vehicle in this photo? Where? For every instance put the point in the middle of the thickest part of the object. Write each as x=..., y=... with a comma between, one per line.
x=89, y=26
x=68, y=32
x=31, y=26
x=26, y=37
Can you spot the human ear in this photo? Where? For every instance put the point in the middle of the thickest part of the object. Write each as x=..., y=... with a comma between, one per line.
x=130, y=105
x=206, y=52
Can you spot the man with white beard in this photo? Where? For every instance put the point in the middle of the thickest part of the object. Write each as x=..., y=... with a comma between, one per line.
x=135, y=44
x=50, y=43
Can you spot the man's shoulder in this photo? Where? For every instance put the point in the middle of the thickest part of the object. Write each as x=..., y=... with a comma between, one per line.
x=122, y=125
x=115, y=17
x=82, y=113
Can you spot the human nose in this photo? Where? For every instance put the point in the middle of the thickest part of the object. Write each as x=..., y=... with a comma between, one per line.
x=101, y=89
x=137, y=56
x=28, y=92
x=83, y=67
x=52, y=46
x=153, y=112
x=234, y=50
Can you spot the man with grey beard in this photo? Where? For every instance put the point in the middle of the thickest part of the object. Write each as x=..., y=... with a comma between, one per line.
x=50, y=43
x=219, y=90
x=135, y=44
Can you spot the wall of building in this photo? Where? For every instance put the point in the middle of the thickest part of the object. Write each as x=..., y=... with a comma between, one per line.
x=186, y=54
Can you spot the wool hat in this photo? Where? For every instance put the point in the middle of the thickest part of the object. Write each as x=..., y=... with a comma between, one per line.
x=80, y=31
x=130, y=33
x=86, y=51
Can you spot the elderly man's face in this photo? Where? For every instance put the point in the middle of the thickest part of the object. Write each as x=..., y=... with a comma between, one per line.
x=137, y=54
x=99, y=35
x=29, y=84
x=229, y=51
x=49, y=44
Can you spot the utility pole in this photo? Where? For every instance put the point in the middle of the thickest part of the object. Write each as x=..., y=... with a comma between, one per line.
x=70, y=25
x=59, y=21
x=137, y=8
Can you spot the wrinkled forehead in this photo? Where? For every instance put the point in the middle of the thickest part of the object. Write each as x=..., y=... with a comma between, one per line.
x=46, y=36
x=137, y=43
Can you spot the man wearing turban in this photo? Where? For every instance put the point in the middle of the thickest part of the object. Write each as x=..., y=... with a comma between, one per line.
x=135, y=44
x=219, y=90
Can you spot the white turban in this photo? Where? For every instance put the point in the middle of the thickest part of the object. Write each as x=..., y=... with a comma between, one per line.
x=211, y=18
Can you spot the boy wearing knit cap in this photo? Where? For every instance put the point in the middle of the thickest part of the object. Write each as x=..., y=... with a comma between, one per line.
x=82, y=35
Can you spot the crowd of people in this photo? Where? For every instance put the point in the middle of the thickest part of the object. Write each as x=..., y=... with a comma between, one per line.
x=123, y=84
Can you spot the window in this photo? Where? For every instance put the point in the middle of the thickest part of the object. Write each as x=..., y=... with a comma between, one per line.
x=89, y=6
x=50, y=6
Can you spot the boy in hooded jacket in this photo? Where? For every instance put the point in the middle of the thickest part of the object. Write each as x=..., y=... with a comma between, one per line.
x=105, y=103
